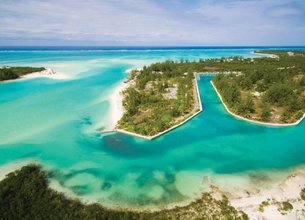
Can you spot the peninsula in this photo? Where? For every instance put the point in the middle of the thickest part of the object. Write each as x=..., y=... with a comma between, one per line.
x=12, y=73
x=158, y=99
x=268, y=90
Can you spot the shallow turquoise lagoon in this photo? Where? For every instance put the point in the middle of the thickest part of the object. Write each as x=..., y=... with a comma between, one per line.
x=56, y=122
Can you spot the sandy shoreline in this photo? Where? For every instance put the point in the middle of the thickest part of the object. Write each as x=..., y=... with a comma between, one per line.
x=254, y=121
x=197, y=102
x=116, y=104
x=265, y=54
x=245, y=191
x=118, y=110
x=47, y=73
x=286, y=190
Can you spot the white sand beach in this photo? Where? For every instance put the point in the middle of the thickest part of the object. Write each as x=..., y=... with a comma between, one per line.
x=48, y=73
x=116, y=105
x=116, y=100
x=119, y=111
x=286, y=191
x=265, y=54
x=246, y=193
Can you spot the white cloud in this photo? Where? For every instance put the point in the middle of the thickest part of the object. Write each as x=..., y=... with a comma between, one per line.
x=146, y=22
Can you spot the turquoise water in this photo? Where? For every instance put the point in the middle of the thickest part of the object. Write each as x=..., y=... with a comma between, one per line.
x=55, y=122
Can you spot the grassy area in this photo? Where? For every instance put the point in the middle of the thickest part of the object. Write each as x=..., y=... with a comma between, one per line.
x=7, y=73
x=25, y=195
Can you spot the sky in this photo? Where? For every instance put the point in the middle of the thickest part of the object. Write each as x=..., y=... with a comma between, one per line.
x=152, y=22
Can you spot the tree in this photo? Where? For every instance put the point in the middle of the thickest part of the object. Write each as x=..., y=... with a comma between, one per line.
x=232, y=94
x=266, y=112
x=278, y=94
x=246, y=106
x=7, y=73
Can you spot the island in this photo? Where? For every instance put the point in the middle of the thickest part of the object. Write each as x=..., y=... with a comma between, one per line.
x=8, y=73
x=268, y=90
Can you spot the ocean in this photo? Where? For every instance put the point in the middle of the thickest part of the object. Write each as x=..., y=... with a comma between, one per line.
x=56, y=123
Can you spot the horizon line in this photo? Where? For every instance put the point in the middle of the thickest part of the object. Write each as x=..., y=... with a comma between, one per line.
x=152, y=45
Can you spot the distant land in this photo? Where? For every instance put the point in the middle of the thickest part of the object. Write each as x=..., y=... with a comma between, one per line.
x=9, y=73
x=21, y=48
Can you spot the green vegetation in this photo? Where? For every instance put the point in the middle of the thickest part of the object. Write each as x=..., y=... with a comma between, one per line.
x=264, y=204
x=25, y=195
x=7, y=73
x=285, y=207
x=302, y=194
x=264, y=89
x=159, y=97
